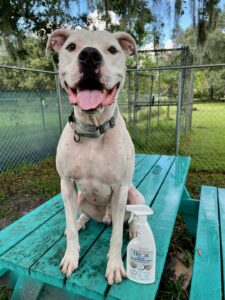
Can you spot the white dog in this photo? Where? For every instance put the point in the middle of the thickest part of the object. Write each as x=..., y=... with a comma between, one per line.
x=95, y=151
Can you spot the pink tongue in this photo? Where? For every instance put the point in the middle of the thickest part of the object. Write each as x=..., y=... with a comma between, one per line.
x=89, y=99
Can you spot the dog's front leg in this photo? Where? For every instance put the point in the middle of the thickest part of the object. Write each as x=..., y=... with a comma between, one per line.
x=69, y=194
x=115, y=270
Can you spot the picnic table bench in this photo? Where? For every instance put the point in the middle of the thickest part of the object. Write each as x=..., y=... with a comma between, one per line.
x=32, y=247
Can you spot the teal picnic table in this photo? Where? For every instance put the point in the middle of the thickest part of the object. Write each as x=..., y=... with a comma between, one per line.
x=32, y=247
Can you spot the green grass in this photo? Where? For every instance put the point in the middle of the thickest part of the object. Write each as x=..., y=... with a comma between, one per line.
x=205, y=142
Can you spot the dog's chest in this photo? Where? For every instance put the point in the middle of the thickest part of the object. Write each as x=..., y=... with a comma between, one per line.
x=95, y=167
x=90, y=161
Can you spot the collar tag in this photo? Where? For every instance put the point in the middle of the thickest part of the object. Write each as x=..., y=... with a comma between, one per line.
x=76, y=137
x=112, y=122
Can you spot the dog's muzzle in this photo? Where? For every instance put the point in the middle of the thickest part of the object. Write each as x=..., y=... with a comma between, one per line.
x=89, y=93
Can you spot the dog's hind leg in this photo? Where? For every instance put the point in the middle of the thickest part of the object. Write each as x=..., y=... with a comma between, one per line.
x=134, y=197
x=107, y=217
x=83, y=219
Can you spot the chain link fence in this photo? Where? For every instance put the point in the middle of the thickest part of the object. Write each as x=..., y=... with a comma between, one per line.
x=30, y=119
x=150, y=114
x=183, y=114
x=168, y=110
x=202, y=133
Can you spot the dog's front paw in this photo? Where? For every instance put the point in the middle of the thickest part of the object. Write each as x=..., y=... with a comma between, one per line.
x=69, y=262
x=115, y=270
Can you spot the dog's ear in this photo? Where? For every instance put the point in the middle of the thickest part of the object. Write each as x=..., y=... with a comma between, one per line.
x=56, y=39
x=127, y=43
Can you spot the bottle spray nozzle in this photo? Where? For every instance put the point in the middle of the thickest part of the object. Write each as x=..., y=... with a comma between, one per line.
x=138, y=210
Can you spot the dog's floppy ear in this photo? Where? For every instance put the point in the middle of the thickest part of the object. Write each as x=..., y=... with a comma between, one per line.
x=56, y=39
x=127, y=43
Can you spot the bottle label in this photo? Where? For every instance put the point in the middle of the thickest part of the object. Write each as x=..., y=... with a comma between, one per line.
x=141, y=264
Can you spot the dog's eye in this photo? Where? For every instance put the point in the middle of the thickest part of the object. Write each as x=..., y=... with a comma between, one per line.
x=71, y=47
x=112, y=50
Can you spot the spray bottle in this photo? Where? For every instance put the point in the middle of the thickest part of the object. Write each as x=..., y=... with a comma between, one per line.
x=141, y=251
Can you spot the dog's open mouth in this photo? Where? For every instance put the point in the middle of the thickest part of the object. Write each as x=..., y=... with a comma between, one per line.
x=90, y=94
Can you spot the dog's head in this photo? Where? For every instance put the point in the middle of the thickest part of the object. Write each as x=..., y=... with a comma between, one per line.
x=91, y=64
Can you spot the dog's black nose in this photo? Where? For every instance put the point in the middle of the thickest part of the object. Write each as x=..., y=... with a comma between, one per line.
x=90, y=58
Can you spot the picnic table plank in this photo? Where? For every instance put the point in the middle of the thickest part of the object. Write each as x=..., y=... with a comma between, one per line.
x=18, y=230
x=139, y=158
x=207, y=264
x=221, y=195
x=32, y=247
x=165, y=208
x=155, y=178
x=47, y=267
x=86, y=281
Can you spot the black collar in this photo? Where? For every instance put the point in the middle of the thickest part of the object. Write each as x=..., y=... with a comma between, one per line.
x=90, y=130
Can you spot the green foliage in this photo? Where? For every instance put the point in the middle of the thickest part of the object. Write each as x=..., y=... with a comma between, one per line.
x=129, y=12
x=213, y=49
x=22, y=18
x=209, y=84
x=36, y=59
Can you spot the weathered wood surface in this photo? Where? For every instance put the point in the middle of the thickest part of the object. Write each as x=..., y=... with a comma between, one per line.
x=221, y=195
x=206, y=279
x=165, y=207
x=35, y=244
x=18, y=230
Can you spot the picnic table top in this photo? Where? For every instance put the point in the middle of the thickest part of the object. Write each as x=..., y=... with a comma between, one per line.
x=34, y=245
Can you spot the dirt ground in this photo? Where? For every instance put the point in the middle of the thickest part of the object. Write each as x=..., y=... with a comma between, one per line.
x=26, y=188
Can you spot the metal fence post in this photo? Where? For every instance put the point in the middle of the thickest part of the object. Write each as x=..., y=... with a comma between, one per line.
x=179, y=105
x=134, y=105
x=42, y=102
x=129, y=98
x=58, y=92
